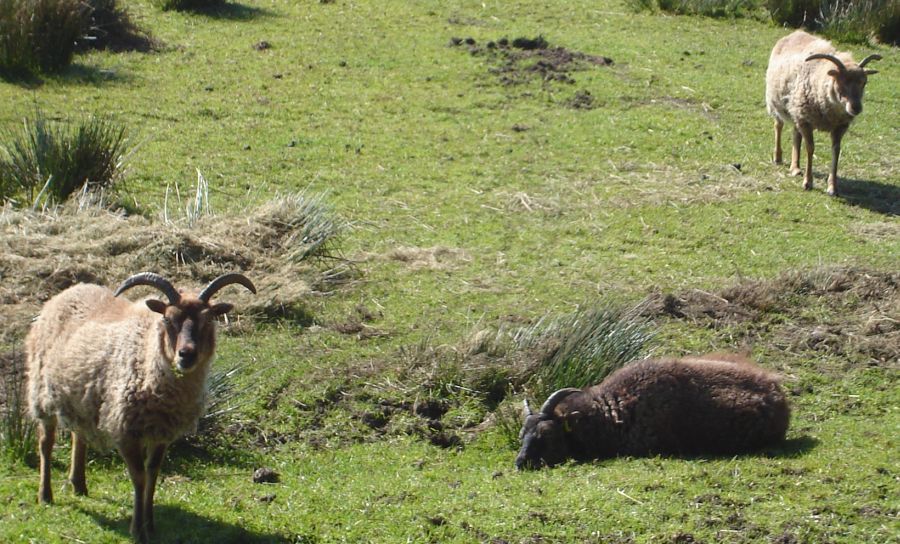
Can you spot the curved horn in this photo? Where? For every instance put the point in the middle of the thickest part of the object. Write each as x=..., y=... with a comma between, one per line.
x=550, y=404
x=832, y=58
x=222, y=281
x=153, y=280
x=869, y=59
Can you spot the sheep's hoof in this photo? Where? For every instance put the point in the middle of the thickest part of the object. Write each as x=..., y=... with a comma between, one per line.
x=796, y=172
x=45, y=498
x=80, y=489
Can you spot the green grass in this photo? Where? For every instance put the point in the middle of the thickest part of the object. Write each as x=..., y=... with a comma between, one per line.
x=478, y=205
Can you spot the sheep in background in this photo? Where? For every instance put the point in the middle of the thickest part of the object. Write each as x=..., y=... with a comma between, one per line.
x=123, y=374
x=718, y=404
x=814, y=87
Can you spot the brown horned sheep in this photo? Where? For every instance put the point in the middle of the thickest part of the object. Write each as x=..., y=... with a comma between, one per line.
x=718, y=404
x=815, y=87
x=123, y=374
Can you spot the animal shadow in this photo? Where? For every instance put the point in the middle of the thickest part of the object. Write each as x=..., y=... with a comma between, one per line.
x=790, y=448
x=231, y=11
x=872, y=195
x=793, y=447
x=76, y=74
x=176, y=525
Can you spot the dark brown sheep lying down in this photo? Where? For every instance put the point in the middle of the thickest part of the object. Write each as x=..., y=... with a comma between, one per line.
x=717, y=404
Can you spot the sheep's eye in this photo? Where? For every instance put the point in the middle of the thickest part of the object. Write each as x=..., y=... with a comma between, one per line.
x=167, y=321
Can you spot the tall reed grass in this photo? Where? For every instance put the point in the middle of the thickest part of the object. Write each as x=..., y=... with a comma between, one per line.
x=40, y=35
x=46, y=161
x=586, y=346
x=17, y=432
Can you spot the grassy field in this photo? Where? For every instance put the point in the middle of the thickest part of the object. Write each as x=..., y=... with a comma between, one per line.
x=483, y=192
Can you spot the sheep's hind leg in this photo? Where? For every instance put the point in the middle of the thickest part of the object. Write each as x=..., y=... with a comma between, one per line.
x=795, y=152
x=76, y=470
x=134, y=456
x=46, y=437
x=154, y=463
x=779, y=124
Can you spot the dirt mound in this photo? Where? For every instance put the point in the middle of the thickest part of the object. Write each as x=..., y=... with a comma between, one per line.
x=851, y=312
x=522, y=60
x=43, y=253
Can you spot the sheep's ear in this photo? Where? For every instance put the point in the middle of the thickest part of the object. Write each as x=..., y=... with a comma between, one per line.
x=871, y=72
x=221, y=308
x=834, y=73
x=157, y=306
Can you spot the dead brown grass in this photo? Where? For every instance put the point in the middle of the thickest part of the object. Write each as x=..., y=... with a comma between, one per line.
x=416, y=258
x=845, y=311
x=43, y=253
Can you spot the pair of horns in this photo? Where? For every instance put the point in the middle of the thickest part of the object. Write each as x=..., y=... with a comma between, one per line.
x=839, y=64
x=164, y=285
x=552, y=401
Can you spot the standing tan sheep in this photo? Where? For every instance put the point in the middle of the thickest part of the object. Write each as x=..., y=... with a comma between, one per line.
x=122, y=374
x=815, y=87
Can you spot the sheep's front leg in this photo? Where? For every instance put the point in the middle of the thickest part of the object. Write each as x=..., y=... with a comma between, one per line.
x=46, y=438
x=134, y=456
x=836, y=137
x=779, y=124
x=154, y=463
x=810, y=147
x=795, y=152
x=76, y=469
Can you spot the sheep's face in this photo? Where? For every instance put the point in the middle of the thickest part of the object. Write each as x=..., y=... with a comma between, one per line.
x=543, y=443
x=190, y=327
x=849, y=88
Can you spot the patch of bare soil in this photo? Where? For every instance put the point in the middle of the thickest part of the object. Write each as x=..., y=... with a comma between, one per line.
x=522, y=60
x=43, y=253
x=416, y=258
x=844, y=311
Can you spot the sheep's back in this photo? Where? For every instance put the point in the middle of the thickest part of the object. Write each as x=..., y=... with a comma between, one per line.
x=84, y=341
x=695, y=406
x=798, y=90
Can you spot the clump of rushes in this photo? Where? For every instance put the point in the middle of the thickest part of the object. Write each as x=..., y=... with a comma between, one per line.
x=40, y=35
x=17, y=433
x=54, y=159
x=857, y=20
x=582, y=348
x=844, y=20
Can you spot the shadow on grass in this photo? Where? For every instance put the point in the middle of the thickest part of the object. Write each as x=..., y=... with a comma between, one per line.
x=23, y=79
x=173, y=524
x=872, y=195
x=790, y=449
x=231, y=11
x=77, y=74
x=794, y=447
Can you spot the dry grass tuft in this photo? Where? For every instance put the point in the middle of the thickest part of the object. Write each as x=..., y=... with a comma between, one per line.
x=43, y=253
